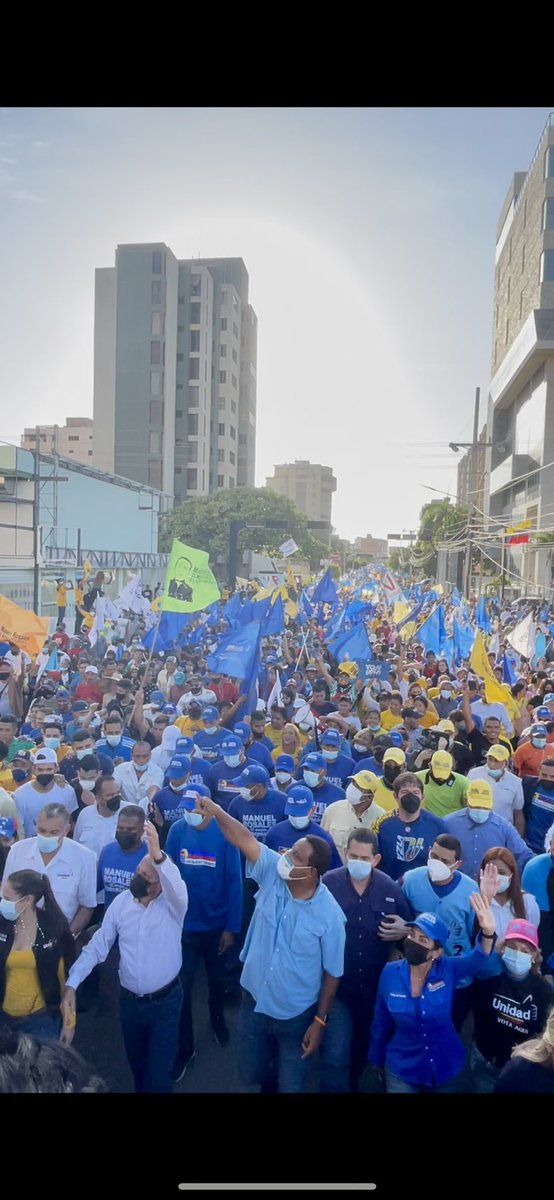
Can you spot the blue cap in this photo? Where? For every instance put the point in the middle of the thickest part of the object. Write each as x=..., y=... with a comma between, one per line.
x=284, y=762
x=188, y=799
x=7, y=827
x=169, y=708
x=543, y=712
x=63, y=693
x=271, y=659
x=396, y=739
x=210, y=713
x=538, y=730
x=313, y=761
x=307, y=691
x=548, y=698
x=243, y=729
x=183, y=745
x=156, y=697
x=252, y=774
x=231, y=741
x=81, y=706
x=300, y=801
x=179, y=767
x=331, y=737
x=432, y=926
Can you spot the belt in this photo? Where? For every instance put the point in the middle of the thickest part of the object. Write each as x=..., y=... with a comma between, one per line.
x=153, y=995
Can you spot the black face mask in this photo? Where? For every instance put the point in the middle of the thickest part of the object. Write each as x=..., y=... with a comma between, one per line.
x=44, y=780
x=410, y=802
x=127, y=841
x=415, y=954
x=139, y=886
x=390, y=771
x=114, y=803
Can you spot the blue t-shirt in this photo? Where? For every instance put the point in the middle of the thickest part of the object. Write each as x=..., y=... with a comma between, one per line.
x=323, y=795
x=167, y=801
x=539, y=812
x=282, y=836
x=116, y=867
x=337, y=772
x=259, y=815
x=209, y=744
x=259, y=753
x=200, y=772
x=370, y=764
x=123, y=749
x=535, y=875
x=404, y=846
x=220, y=775
x=211, y=869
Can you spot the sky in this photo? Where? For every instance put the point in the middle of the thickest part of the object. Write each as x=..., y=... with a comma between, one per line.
x=369, y=238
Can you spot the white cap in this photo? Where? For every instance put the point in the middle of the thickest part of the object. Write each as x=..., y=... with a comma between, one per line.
x=45, y=756
x=90, y=670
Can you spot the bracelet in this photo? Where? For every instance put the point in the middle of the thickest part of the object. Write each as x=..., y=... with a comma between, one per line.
x=321, y=1020
x=487, y=935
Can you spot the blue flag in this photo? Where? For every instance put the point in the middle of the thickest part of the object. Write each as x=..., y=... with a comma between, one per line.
x=456, y=598
x=53, y=662
x=375, y=669
x=411, y=616
x=171, y=625
x=352, y=645
x=508, y=672
x=274, y=622
x=260, y=608
x=245, y=614
x=447, y=650
x=481, y=616
x=463, y=638
x=325, y=591
x=432, y=633
x=357, y=609
x=236, y=652
x=335, y=625
x=232, y=607
x=306, y=604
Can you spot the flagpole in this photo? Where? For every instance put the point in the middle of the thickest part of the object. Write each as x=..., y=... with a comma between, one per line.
x=302, y=649
x=148, y=661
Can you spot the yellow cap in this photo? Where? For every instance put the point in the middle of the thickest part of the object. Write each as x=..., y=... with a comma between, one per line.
x=441, y=764
x=500, y=753
x=446, y=727
x=479, y=794
x=395, y=755
x=365, y=780
x=348, y=668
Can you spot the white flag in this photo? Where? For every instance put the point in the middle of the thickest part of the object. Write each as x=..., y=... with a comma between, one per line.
x=522, y=638
x=99, y=619
x=288, y=548
x=390, y=586
x=131, y=599
x=276, y=694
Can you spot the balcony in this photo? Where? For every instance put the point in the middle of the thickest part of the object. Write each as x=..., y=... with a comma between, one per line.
x=511, y=468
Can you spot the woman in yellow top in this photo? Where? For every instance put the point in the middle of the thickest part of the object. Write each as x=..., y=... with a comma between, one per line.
x=291, y=743
x=36, y=952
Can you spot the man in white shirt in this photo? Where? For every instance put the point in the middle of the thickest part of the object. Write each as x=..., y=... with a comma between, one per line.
x=30, y=798
x=148, y=921
x=97, y=823
x=507, y=789
x=165, y=677
x=480, y=708
x=71, y=869
x=139, y=779
x=196, y=692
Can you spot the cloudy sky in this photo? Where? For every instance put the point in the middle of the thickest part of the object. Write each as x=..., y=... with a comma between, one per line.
x=369, y=238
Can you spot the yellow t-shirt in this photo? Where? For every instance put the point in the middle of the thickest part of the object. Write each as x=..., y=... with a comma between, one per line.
x=23, y=995
x=390, y=720
x=61, y=596
x=430, y=717
x=7, y=781
x=384, y=797
x=187, y=726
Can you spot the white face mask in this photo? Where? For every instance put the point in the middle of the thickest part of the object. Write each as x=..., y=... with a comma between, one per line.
x=113, y=739
x=87, y=785
x=283, y=776
x=353, y=794
x=479, y=815
x=504, y=882
x=83, y=753
x=438, y=871
x=359, y=868
x=446, y=694
x=299, y=822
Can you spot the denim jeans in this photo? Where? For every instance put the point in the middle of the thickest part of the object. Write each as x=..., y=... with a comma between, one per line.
x=484, y=1075
x=395, y=1084
x=200, y=945
x=271, y=1049
x=150, y=1032
x=344, y=1047
x=40, y=1024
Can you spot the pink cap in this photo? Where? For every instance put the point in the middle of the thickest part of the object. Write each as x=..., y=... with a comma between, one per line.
x=523, y=930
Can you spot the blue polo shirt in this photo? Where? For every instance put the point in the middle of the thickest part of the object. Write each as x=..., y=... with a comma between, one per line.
x=265, y=741
x=534, y=879
x=449, y=901
x=122, y=750
x=404, y=845
x=476, y=839
x=290, y=943
x=259, y=816
x=539, y=812
x=116, y=868
x=365, y=953
x=323, y=795
x=210, y=867
x=337, y=772
x=209, y=744
x=283, y=835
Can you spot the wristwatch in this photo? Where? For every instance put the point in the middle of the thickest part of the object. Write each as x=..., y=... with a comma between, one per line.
x=160, y=860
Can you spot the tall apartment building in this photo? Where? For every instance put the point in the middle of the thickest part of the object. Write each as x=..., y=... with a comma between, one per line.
x=371, y=546
x=309, y=485
x=521, y=398
x=72, y=440
x=465, y=495
x=175, y=345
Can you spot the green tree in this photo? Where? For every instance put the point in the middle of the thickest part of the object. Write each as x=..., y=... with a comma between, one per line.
x=205, y=523
x=438, y=520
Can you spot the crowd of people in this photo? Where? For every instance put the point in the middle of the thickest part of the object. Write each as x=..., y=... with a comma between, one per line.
x=365, y=859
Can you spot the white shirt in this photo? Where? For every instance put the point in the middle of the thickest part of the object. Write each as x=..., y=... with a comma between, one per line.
x=135, y=787
x=30, y=802
x=149, y=937
x=72, y=872
x=340, y=818
x=203, y=697
x=504, y=913
x=507, y=792
x=481, y=709
x=93, y=830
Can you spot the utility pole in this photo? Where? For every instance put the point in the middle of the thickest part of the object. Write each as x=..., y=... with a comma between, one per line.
x=472, y=492
x=36, y=496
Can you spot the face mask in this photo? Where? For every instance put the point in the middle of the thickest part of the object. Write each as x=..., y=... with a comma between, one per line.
x=83, y=753
x=9, y=910
x=113, y=739
x=540, y=743
x=126, y=840
x=496, y=774
x=193, y=818
x=87, y=785
x=359, y=750
x=283, y=776
x=81, y=720
x=299, y=822
x=43, y=780
x=47, y=845
x=504, y=882
x=311, y=778
x=390, y=772
x=177, y=787
x=479, y=815
x=415, y=954
x=138, y=886
x=410, y=802
x=438, y=871
x=245, y=793
x=141, y=767
x=18, y=774
x=374, y=728
x=330, y=755
x=517, y=963
x=211, y=729
x=353, y=794
x=52, y=742
x=231, y=760
x=359, y=869
x=114, y=803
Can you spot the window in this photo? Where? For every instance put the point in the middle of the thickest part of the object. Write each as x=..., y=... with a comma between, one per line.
x=155, y=474
x=220, y=481
x=221, y=430
x=155, y=443
x=231, y=458
x=234, y=355
x=156, y=262
x=242, y=439
x=234, y=381
x=509, y=287
x=233, y=406
x=548, y=213
x=549, y=163
x=194, y=396
x=235, y=330
x=507, y=329
x=192, y=475
x=156, y=292
x=221, y=456
x=73, y=437
x=156, y=324
x=223, y=377
x=222, y=402
x=156, y=353
x=195, y=285
x=194, y=368
x=547, y=266
x=191, y=452
x=223, y=324
x=180, y=358
x=155, y=413
x=193, y=423
x=530, y=419
x=233, y=433
x=90, y=453
x=195, y=340
x=223, y=351
x=223, y=297
x=195, y=310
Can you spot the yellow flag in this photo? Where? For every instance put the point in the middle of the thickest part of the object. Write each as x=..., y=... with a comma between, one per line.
x=480, y=664
x=23, y=628
x=400, y=610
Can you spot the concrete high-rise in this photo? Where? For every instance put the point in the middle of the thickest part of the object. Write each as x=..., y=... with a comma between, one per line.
x=175, y=346
x=72, y=440
x=520, y=418
x=309, y=485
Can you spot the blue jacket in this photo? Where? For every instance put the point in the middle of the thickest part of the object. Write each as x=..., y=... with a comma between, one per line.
x=449, y=901
x=122, y=750
x=210, y=867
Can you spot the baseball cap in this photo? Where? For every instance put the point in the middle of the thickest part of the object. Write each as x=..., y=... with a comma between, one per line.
x=410, y=712
x=272, y=658
x=22, y=756
x=441, y=764
x=90, y=670
x=331, y=737
x=7, y=826
x=446, y=726
x=169, y=708
x=501, y=753
x=79, y=706
x=311, y=665
x=231, y=741
x=179, y=767
x=543, y=712
x=396, y=737
x=184, y=745
x=434, y=927
x=156, y=697
x=300, y=801
x=479, y=794
x=548, y=698
x=188, y=799
x=365, y=780
x=210, y=713
x=171, y=658
x=253, y=773
x=62, y=693
x=314, y=761
x=348, y=668
x=538, y=730
x=394, y=755
x=523, y=930
x=284, y=762
x=242, y=728
x=45, y=756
